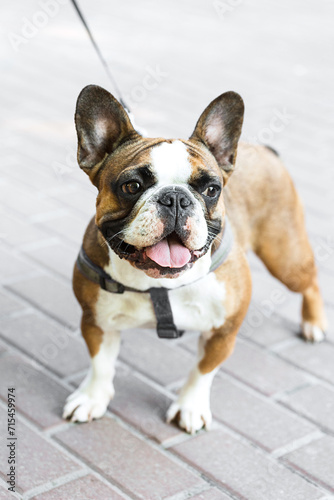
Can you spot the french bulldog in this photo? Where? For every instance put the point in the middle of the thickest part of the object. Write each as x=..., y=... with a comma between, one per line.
x=161, y=213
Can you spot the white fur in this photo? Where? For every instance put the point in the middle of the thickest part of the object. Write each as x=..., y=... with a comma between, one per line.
x=312, y=333
x=92, y=397
x=197, y=306
x=194, y=402
x=171, y=163
x=197, y=300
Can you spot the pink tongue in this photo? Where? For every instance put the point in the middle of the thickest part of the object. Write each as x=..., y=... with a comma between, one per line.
x=169, y=253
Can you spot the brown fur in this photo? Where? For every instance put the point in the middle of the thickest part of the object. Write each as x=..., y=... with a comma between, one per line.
x=262, y=204
x=236, y=276
x=267, y=218
x=86, y=292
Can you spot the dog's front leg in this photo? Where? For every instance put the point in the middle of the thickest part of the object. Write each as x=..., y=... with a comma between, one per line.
x=92, y=397
x=192, y=408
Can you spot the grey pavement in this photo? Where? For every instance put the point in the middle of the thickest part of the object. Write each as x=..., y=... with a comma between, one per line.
x=273, y=400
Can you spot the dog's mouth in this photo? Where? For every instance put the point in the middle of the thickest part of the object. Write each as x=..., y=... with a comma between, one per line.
x=167, y=257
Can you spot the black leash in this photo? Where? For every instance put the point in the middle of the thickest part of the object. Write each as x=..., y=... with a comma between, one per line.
x=99, y=53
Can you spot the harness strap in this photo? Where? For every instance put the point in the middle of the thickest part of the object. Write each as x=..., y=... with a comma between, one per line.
x=166, y=328
x=97, y=275
x=159, y=296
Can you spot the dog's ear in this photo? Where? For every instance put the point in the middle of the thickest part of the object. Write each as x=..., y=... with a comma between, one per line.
x=219, y=128
x=102, y=124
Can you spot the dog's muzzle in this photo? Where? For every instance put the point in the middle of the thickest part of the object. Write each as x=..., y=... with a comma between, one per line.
x=176, y=200
x=175, y=205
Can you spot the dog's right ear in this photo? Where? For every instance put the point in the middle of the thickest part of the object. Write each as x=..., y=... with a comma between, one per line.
x=102, y=124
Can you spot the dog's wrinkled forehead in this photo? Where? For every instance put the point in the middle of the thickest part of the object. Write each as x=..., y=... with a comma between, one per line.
x=170, y=162
x=179, y=162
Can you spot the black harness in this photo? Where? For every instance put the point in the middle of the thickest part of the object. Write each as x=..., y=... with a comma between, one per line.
x=165, y=323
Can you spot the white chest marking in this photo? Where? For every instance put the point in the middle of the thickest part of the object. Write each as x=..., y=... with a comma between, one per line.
x=197, y=306
x=171, y=163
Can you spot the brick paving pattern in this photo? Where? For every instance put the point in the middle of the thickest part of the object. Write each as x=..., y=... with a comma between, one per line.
x=273, y=400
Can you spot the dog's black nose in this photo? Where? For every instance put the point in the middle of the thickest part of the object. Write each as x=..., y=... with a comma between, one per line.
x=175, y=199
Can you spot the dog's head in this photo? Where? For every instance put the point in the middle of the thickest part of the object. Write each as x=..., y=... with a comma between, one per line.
x=160, y=202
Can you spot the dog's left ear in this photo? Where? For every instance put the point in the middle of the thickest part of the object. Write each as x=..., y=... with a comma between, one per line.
x=102, y=125
x=219, y=128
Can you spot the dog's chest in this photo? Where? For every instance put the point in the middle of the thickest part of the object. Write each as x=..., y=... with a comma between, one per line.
x=198, y=306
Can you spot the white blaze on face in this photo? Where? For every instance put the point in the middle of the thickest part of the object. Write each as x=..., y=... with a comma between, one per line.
x=171, y=166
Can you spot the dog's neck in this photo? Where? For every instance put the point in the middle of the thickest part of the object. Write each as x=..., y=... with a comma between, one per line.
x=122, y=271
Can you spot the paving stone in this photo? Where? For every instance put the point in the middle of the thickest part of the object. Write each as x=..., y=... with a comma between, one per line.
x=58, y=256
x=12, y=265
x=5, y=494
x=142, y=406
x=260, y=420
x=38, y=397
x=155, y=357
x=139, y=404
x=313, y=358
x=315, y=403
x=189, y=341
x=272, y=297
x=316, y=460
x=87, y=487
x=29, y=171
x=8, y=304
x=243, y=470
x=326, y=283
x=25, y=202
x=70, y=226
x=15, y=232
x=116, y=453
x=330, y=318
x=81, y=199
x=34, y=455
x=51, y=296
x=271, y=73
x=53, y=346
x=264, y=330
x=262, y=370
x=211, y=494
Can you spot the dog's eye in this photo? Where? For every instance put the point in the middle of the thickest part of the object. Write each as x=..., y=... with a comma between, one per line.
x=132, y=187
x=211, y=191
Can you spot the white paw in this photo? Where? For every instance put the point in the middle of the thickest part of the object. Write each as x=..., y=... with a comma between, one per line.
x=312, y=333
x=85, y=404
x=191, y=418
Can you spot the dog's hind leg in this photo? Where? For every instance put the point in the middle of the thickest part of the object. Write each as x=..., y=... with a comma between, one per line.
x=92, y=397
x=282, y=244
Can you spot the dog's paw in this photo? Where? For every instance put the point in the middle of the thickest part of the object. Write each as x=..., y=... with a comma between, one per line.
x=84, y=405
x=312, y=333
x=189, y=417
